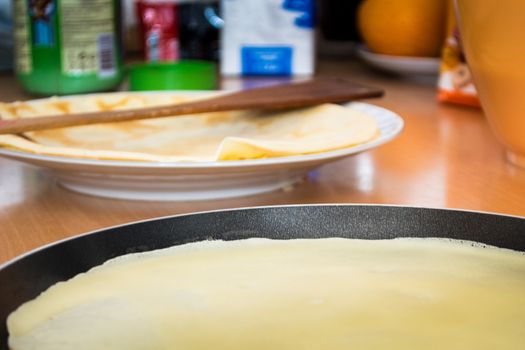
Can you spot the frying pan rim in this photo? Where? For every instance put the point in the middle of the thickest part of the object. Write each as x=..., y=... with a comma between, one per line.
x=45, y=246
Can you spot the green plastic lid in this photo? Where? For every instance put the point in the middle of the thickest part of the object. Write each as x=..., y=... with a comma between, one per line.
x=180, y=75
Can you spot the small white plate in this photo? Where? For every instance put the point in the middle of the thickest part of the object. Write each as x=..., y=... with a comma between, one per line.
x=401, y=64
x=183, y=181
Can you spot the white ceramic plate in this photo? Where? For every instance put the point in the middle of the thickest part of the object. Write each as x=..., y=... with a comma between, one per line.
x=400, y=64
x=182, y=181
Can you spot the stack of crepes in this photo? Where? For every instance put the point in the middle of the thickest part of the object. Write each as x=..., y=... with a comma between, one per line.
x=204, y=137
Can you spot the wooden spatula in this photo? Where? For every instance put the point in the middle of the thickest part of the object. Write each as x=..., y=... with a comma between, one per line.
x=304, y=94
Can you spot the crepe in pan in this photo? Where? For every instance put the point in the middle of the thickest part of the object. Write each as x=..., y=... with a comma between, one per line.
x=216, y=136
x=298, y=294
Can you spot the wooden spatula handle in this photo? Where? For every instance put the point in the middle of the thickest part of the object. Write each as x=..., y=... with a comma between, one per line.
x=309, y=93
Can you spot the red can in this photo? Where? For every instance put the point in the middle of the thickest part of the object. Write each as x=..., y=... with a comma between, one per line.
x=158, y=23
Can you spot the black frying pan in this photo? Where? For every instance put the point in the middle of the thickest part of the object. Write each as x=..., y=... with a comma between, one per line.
x=24, y=278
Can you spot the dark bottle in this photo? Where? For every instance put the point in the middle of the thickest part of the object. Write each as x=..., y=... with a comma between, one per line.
x=199, y=24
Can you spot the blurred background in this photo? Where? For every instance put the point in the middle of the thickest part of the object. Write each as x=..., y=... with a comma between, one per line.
x=99, y=45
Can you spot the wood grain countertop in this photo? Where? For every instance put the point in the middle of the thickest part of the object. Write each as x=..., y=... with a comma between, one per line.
x=446, y=157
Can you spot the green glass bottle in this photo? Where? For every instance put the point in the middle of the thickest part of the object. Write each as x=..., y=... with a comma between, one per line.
x=67, y=46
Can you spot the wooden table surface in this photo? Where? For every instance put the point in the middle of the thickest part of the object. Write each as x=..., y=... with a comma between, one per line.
x=445, y=157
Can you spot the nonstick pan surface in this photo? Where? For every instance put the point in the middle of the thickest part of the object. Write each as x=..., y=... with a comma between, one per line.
x=24, y=278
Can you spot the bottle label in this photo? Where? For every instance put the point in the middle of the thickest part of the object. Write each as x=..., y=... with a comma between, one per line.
x=22, y=38
x=42, y=15
x=88, y=43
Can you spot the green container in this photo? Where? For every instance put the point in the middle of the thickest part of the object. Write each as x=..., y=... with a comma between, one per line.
x=181, y=75
x=67, y=46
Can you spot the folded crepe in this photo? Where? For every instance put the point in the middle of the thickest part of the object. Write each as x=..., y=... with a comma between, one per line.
x=204, y=137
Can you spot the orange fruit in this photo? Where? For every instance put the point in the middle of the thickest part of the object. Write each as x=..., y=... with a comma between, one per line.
x=403, y=27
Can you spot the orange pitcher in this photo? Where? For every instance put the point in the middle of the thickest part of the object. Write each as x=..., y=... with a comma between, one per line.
x=493, y=35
